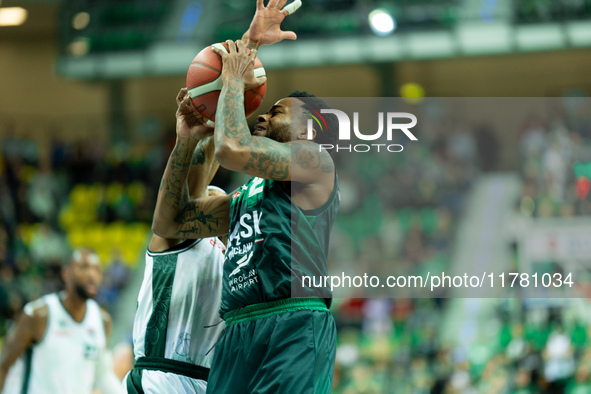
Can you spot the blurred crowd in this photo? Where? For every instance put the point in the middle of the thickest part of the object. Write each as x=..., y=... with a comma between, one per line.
x=554, y=153
x=403, y=207
x=393, y=346
x=398, y=216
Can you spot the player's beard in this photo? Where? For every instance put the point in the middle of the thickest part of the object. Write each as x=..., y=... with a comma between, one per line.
x=280, y=134
x=81, y=292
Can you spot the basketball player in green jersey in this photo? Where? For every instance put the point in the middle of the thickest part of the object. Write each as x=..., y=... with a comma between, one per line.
x=278, y=225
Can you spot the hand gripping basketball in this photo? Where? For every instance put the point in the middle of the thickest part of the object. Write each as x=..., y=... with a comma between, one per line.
x=238, y=64
x=204, y=82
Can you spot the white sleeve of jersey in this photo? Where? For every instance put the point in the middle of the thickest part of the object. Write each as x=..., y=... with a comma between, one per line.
x=106, y=380
x=30, y=307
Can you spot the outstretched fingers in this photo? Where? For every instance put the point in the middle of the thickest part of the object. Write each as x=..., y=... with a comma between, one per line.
x=291, y=8
x=278, y=4
x=288, y=35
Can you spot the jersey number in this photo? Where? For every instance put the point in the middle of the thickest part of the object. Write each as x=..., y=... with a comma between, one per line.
x=90, y=352
x=256, y=187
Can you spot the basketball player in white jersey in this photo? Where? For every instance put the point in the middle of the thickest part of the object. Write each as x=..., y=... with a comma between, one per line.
x=175, y=323
x=63, y=338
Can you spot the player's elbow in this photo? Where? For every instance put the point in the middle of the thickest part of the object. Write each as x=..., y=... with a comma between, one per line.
x=226, y=154
x=223, y=151
x=161, y=228
x=157, y=228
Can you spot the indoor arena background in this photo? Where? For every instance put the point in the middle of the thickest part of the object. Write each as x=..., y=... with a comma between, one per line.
x=87, y=103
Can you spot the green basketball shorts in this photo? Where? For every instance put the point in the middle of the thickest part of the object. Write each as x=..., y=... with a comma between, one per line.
x=285, y=346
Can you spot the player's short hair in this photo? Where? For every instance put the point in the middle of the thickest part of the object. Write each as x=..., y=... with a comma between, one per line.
x=330, y=127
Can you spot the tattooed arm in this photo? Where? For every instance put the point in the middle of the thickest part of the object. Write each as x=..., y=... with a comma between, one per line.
x=203, y=168
x=176, y=216
x=237, y=150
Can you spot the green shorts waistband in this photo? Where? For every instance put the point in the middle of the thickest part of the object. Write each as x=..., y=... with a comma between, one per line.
x=265, y=309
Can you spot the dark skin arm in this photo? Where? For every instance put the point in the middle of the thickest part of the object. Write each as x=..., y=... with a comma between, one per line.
x=178, y=217
x=175, y=216
x=298, y=160
x=265, y=29
x=28, y=330
x=202, y=169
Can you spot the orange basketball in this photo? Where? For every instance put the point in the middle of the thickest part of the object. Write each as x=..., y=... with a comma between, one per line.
x=204, y=83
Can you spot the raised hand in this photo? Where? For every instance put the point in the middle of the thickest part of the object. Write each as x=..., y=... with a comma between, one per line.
x=189, y=122
x=238, y=64
x=265, y=28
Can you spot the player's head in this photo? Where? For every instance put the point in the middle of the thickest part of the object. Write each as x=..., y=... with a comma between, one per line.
x=287, y=120
x=83, y=273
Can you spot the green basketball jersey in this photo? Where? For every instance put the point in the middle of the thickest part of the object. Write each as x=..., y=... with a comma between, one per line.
x=272, y=244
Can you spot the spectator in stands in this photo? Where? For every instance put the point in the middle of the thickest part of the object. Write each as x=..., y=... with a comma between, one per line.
x=559, y=363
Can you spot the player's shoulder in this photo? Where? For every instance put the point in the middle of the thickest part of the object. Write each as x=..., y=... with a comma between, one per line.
x=310, y=155
x=34, y=318
x=306, y=146
x=37, y=309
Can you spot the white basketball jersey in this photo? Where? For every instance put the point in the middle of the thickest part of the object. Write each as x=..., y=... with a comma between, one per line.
x=64, y=361
x=180, y=295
